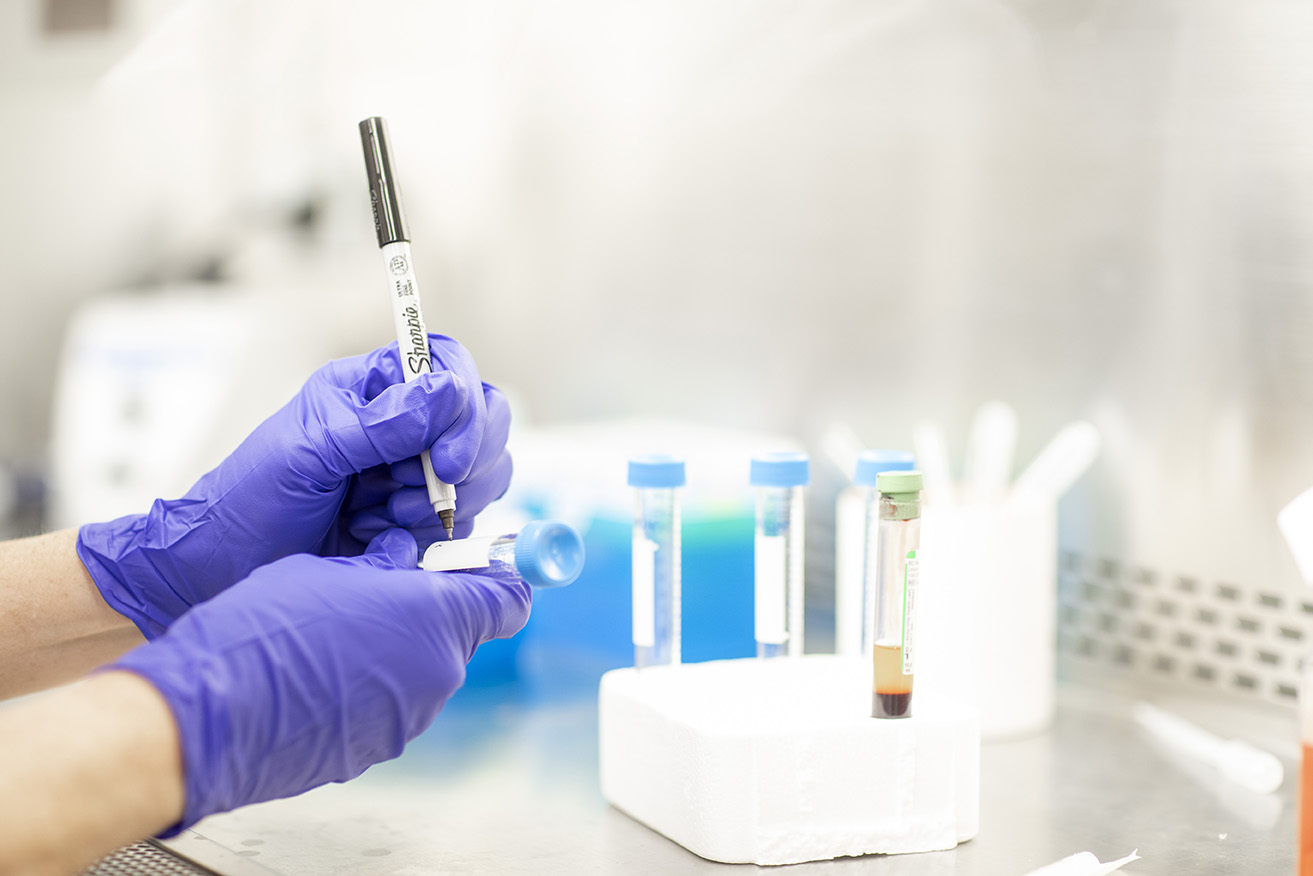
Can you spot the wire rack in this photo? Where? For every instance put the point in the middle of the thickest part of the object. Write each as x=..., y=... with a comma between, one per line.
x=144, y=859
x=1215, y=634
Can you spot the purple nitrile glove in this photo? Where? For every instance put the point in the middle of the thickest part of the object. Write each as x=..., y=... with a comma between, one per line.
x=396, y=495
x=315, y=668
x=305, y=480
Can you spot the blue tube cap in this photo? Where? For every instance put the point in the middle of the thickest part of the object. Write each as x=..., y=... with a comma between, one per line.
x=780, y=469
x=549, y=553
x=871, y=462
x=657, y=470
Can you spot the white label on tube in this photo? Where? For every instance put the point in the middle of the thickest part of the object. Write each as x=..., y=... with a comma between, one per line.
x=769, y=594
x=462, y=553
x=910, y=574
x=644, y=563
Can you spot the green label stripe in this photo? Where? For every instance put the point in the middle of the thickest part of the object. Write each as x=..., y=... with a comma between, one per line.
x=911, y=570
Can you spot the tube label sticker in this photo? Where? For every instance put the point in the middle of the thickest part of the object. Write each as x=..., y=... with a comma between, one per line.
x=911, y=571
x=644, y=563
x=768, y=568
x=462, y=553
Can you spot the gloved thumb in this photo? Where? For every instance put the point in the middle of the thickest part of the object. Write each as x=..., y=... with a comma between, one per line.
x=393, y=547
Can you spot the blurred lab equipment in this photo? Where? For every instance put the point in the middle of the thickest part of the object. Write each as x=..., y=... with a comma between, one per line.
x=1064, y=459
x=656, y=480
x=403, y=289
x=154, y=390
x=989, y=603
x=1236, y=760
x=987, y=468
x=854, y=604
x=892, y=570
x=1295, y=521
x=778, y=551
x=932, y=456
x=545, y=553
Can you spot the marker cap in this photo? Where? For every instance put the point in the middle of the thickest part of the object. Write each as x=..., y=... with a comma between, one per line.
x=389, y=218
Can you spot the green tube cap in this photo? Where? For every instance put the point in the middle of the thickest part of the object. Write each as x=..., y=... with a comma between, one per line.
x=898, y=482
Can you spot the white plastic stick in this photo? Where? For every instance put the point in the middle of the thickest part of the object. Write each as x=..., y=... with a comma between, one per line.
x=1084, y=864
x=1296, y=524
x=842, y=445
x=1238, y=761
x=932, y=456
x=991, y=443
x=1056, y=468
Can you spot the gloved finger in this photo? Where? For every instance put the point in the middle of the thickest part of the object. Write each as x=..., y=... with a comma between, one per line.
x=400, y=422
x=366, y=525
x=370, y=488
x=393, y=547
x=408, y=472
x=482, y=607
x=409, y=507
x=369, y=374
x=452, y=455
x=486, y=484
x=489, y=476
x=478, y=493
x=417, y=515
x=496, y=429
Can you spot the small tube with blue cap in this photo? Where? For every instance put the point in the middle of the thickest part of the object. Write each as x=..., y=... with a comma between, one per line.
x=778, y=555
x=545, y=553
x=656, y=558
x=860, y=539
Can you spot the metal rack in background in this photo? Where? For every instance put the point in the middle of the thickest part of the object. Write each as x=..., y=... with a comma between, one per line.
x=1209, y=634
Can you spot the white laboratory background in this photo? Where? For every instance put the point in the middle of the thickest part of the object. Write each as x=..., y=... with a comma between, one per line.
x=770, y=215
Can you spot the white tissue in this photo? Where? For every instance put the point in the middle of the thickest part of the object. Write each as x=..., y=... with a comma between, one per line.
x=1083, y=864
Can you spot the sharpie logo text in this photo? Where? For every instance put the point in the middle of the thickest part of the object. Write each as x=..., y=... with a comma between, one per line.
x=417, y=359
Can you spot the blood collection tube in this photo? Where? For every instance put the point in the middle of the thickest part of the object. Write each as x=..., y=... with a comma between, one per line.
x=778, y=559
x=854, y=592
x=545, y=553
x=891, y=559
x=656, y=559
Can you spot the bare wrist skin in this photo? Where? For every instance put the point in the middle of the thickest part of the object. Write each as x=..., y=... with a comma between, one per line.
x=86, y=769
x=56, y=626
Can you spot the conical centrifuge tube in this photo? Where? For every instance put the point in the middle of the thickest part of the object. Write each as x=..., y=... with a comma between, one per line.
x=545, y=553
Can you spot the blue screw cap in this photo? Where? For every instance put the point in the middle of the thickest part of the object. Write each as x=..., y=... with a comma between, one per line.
x=784, y=468
x=871, y=462
x=656, y=470
x=549, y=553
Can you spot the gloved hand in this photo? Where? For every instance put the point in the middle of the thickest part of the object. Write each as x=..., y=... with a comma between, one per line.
x=313, y=478
x=313, y=669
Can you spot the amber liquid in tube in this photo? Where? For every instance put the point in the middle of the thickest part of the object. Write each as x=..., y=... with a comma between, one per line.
x=892, y=697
